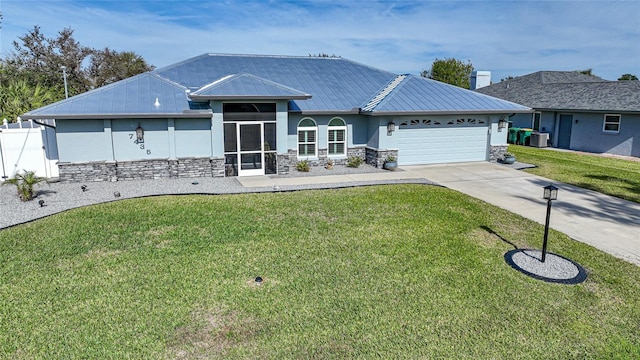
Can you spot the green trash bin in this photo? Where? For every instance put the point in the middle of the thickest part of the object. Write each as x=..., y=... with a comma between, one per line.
x=512, y=137
x=524, y=136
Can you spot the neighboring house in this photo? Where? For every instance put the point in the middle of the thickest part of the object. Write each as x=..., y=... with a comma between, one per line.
x=237, y=115
x=580, y=112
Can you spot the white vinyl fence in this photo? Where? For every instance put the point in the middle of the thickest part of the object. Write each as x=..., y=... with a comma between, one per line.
x=28, y=146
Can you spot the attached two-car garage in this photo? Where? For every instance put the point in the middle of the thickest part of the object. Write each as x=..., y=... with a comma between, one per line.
x=430, y=141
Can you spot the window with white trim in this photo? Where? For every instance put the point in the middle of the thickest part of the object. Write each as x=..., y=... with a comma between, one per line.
x=307, y=138
x=337, y=137
x=536, y=120
x=611, y=123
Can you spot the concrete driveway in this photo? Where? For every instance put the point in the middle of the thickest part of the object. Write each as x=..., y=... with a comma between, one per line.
x=605, y=222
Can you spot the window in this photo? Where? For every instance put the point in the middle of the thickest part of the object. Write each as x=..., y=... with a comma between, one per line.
x=307, y=135
x=337, y=139
x=536, y=120
x=611, y=123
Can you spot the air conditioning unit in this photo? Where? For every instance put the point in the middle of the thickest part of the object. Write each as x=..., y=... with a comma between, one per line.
x=539, y=139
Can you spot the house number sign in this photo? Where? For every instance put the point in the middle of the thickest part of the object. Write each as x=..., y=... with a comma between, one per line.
x=139, y=143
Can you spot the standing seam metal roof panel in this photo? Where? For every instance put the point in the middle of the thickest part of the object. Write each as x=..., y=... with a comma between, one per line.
x=135, y=95
x=416, y=94
x=334, y=83
x=248, y=85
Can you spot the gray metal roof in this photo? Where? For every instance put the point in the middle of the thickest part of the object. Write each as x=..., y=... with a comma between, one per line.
x=418, y=94
x=554, y=90
x=143, y=95
x=247, y=86
x=312, y=84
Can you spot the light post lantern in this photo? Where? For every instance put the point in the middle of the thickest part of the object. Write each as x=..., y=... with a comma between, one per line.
x=550, y=194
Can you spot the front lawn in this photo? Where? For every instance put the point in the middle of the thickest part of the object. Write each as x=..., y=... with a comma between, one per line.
x=398, y=271
x=616, y=177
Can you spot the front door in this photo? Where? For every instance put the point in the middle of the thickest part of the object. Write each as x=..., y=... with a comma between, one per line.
x=250, y=139
x=564, y=131
x=250, y=150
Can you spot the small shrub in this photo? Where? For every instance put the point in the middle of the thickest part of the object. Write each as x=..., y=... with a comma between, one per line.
x=354, y=161
x=329, y=164
x=24, y=183
x=390, y=158
x=303, y=166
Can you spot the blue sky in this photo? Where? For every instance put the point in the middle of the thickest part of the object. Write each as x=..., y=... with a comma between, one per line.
x=505, y=37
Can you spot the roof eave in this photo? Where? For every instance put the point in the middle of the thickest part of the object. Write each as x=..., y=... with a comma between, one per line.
x=327, y=112
x=448, y=112
x=186, y=114
x=599, y=111
x=250, y=97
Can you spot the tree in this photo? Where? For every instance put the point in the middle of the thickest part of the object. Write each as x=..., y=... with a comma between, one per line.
x=450, y=71
x=39, y=60
x=108, y=66
x=18, y=96
x=586, y=72
x=628, y=77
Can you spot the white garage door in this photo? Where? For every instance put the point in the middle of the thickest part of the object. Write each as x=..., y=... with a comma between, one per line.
x=428, y=141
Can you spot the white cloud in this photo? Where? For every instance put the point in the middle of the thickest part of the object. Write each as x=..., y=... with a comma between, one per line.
x=508, y=38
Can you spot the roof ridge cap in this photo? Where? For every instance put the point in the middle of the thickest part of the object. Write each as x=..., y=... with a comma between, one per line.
x=231, y=77
x=382, y=94
x=164, y=79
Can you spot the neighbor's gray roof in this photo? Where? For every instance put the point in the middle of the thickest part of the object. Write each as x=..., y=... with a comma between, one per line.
x=568, y=90
x=312, y=84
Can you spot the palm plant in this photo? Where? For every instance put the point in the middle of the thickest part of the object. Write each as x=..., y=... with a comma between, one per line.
x=25, y=182
x=18, y=97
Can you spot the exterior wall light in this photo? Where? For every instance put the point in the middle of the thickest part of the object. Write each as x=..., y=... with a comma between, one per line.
x=502, y=124
x=139, y=134
x=550, y=194
x=391, y=127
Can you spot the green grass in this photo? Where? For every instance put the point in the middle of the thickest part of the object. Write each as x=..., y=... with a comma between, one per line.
x=404, y=271
x=616, y=177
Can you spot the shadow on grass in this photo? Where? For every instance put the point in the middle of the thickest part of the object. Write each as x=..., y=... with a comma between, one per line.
x=490, y=231
x=630, y=184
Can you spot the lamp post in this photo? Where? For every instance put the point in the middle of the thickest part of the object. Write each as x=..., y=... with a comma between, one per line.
x=550, y=193
x=64, y=75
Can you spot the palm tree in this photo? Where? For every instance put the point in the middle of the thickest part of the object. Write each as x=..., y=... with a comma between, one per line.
x=18, y=97
x=24, y=183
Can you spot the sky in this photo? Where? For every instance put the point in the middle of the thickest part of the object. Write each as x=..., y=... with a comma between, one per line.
x=508, y=38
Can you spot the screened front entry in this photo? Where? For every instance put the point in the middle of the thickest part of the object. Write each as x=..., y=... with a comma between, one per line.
x=250, y=139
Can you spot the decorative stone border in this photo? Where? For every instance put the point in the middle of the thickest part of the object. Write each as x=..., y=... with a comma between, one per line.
x=555, y=269
x=198, y=167
x=141, y=170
